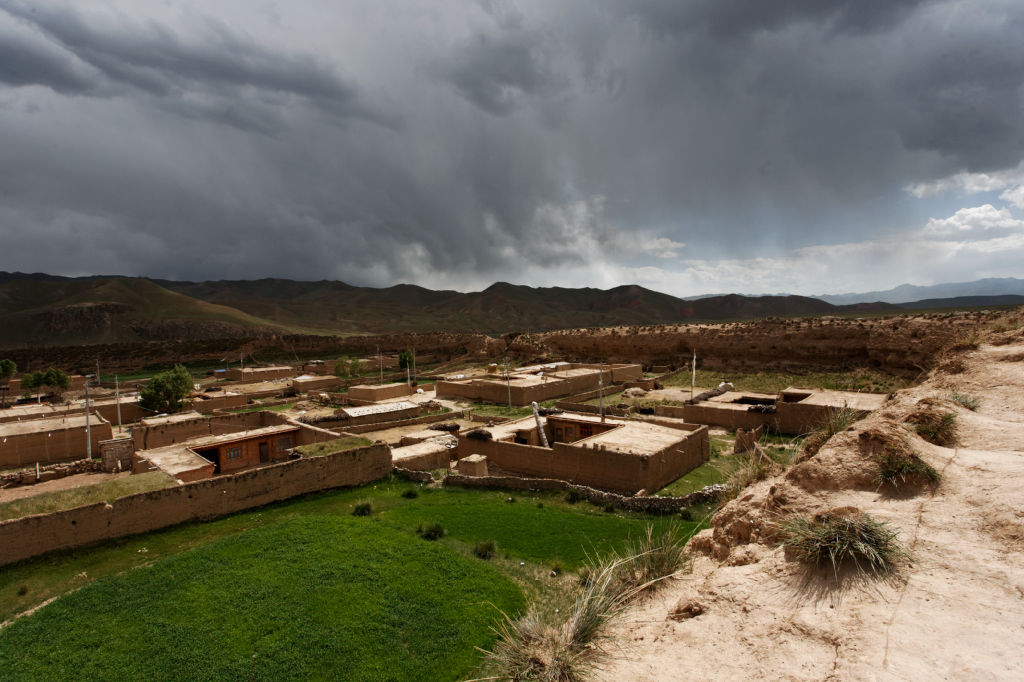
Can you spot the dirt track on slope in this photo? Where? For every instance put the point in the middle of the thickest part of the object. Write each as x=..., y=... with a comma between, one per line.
x=958, y=611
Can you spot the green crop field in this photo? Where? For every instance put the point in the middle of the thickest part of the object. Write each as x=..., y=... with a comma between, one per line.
x=304, y=589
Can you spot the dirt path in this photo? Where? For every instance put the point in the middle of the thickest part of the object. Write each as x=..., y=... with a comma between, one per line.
x=957, y=615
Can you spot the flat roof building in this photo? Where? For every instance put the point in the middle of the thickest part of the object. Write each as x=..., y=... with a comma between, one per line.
x=615, y=454
x=537, y=383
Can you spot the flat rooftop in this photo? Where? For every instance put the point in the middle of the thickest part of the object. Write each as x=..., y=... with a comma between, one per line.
x=20, y=428
x=175, y=459
x=632, y=437
x=851, y=399
x=171, y=419
x=426, y=447
x=207, y=441
x=383, y=408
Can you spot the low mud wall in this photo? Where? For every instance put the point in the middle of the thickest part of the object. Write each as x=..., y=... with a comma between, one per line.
x=41, y=533
x=652, y=504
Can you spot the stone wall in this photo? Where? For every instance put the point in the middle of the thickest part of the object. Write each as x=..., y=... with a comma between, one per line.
x=41, y=533
x=50, y=472
x=652, y=504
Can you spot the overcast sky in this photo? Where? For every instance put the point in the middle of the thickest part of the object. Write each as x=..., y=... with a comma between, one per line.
x=690, y=146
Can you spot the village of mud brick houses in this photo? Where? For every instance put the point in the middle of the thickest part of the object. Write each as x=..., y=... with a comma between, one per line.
x=250, y=436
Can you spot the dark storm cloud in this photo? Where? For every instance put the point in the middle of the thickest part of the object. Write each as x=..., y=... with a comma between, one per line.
x=455, y=145
x=733, y=18
x=156, y=60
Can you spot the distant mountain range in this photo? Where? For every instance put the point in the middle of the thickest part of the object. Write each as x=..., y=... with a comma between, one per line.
x=907, y=293
x=40, y=309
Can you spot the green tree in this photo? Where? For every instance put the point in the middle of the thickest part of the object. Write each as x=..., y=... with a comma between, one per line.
x=8, y=368
x=52, y=378
x=348, y=367
x=165, y=391
x=405, y=359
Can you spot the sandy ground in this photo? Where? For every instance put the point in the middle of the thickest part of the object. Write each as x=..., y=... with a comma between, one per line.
x=957, y=613
x=23, y=491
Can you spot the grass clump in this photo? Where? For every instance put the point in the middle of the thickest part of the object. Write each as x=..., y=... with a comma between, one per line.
x=362, y=509
x=573, y=496
x=896, y=468
x=935, y=426
x=433, y=531
x=485, y=549
x=971, y=402
x=534, y=648
x=747, y=469
x=843, y=537
x=410, y=494
x=651, y=559
x=836, y=420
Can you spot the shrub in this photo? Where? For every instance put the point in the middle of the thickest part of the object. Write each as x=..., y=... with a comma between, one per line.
x=896, y=468
x=609, y=508
x=686, y=514
x=434, y=531
x=410, y=494
x=573, y=496
x=362, y=509
x=842, y=536
x=971, y=402
x=485, y=549
x=557, y=568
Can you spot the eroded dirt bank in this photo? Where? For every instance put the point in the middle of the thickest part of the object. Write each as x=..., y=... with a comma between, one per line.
x=957, y=613
x=904, y=345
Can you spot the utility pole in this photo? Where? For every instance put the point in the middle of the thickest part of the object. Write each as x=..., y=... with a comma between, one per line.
x=117, y=397
x=414, y=365
x=88, y=431
x=380, y=365
x=508, y=382
x=99, y=381
x=600, y=391
x=693, y=375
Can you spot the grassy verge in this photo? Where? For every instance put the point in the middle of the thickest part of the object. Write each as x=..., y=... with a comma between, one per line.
x=106, y=491
x=715, y=470
x=313, y=597
x=331, y=446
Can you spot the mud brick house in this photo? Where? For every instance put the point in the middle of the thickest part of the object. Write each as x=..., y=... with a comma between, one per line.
x=620, y=455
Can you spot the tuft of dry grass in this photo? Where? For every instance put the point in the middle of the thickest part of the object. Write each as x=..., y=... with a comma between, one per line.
x=842, y=537
x=897, y=467
x=935, y=426
x=836, y=420
x=533, y=647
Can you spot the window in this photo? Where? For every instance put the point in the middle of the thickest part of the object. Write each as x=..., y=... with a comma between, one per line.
x=233, y=453
x=284, y=443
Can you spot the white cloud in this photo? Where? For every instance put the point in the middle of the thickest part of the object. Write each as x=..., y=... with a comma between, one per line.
x=1014, y=196
x=979, y=221
x=971, y=183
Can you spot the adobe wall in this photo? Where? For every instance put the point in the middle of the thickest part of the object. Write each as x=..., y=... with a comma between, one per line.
x=798, y=418
x=200, y=500
x=259, y=373
x=602, y=469
x=149, y=437
x=56, y=445
x=220, y=402
x=716, y=416
x=378, y=393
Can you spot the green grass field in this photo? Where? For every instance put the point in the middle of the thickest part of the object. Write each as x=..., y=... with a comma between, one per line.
x=283, y=407
x=315, y=597
x=199, y=600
